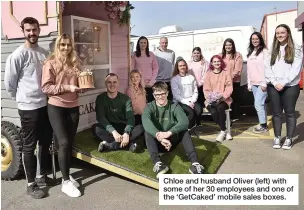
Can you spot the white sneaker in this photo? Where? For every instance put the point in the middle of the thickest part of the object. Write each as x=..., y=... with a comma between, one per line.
x=277, y=143
x=69, y=188
x=221, y=136
x=228, y=136
x=75, y=183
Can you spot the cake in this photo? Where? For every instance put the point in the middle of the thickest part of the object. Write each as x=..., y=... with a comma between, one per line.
x=85, y=79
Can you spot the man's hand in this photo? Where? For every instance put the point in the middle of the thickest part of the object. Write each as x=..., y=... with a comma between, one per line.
x=279, y=87
x=166, y=143
x=125, y=140
x=163, y=135
x=263, y=88
x=191, y=105
x=117, y=136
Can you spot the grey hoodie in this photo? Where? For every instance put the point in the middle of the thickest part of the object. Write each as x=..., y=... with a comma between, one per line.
x=22, y=78
x=165, y=63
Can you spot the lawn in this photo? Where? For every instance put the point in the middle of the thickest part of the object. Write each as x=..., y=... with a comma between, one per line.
x=210, y=154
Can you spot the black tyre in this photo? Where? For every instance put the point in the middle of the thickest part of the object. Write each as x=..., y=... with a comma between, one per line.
x=11, y=147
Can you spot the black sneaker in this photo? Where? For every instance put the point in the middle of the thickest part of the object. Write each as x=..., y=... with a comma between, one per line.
x=45, y=181
x=34, y=191
x=260, y=129
x=160, y=168
x=134, y=148
x=196, y=168
x=100, y=147
x=103, y=146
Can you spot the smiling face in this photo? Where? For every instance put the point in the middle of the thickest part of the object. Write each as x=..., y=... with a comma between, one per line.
x=228, y=47
x=135, y=79
x=161, y=97
x=182, y=68
x=196, y=55
x=255, y=40
x=112, y=84
x=216, y=63
x=163, y=43
x=31, y=33
x=281, y=34
x=143, y=44
x=65, y=47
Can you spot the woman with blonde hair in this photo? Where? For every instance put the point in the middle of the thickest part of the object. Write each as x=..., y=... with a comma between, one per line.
x=137, y=93
x=60, y=83
x=283, y=72
x=198, y=67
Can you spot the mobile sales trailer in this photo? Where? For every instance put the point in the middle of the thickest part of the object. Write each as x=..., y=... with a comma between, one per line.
x=101, y=42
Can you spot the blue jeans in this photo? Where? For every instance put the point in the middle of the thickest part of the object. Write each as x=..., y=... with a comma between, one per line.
x=259, y=103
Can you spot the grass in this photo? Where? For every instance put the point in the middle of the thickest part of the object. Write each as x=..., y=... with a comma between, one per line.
x=211, y=155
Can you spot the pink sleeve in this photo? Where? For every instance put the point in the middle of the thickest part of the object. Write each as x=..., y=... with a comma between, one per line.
x=238, y=65
x=228, y=86
x=154, y=69
x=207, y=85
x=48, y=81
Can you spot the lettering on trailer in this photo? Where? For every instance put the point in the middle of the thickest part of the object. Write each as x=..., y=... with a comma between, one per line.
x=87, y=108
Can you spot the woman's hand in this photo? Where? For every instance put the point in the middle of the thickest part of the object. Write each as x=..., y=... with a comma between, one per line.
x=74, y=88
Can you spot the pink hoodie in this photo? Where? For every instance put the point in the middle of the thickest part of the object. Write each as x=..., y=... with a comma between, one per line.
x=218, y=82
x=198, y=70
x=234, y=66
x=147, y=66
x=256, y=69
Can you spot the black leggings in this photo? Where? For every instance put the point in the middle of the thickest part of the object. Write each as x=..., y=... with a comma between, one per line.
x=285, y=99
x=64, y=122
x=149, y=94
x=154, y=146
x=194, y=115
x=218, y=114
x=235, y=106
x=104, y=135
x=201, y=97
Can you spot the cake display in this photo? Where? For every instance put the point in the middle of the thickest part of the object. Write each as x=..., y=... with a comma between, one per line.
x=85, y=79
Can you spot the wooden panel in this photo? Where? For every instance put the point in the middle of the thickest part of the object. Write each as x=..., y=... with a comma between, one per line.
x=2, y=86
x=14, y=120
x=7, y=112
x=8, y=103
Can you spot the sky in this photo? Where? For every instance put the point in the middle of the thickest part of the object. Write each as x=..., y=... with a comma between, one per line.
x=149, y=16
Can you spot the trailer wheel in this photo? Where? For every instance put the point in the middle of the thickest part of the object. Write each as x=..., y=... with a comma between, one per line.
x=11, y=147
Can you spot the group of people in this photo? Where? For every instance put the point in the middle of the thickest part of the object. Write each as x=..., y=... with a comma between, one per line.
x=162, y=104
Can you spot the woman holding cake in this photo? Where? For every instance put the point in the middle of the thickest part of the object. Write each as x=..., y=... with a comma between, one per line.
x=145, y=61
x=60, y=83
x=137, y=93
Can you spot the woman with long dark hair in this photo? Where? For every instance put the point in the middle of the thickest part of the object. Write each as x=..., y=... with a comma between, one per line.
x=257, y=53
x=184, y=91
x=60, y=83
x=234, y=64
x=198, y=67
x=283, y=69
x=145, y=61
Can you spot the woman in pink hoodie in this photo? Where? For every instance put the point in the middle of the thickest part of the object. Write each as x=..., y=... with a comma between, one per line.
x=145, y=61
x=198, y=67
x=234, y=65
x=217, y=90
x=257, y=54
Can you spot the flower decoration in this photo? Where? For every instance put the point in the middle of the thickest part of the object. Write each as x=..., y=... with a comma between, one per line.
x=214, y=97
x=119, y=10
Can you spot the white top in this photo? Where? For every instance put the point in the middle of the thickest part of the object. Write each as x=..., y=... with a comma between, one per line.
x=184, y=89
x=282, y=72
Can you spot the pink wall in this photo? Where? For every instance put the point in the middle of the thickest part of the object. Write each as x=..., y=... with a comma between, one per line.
x=119, y=35
x=22, y=9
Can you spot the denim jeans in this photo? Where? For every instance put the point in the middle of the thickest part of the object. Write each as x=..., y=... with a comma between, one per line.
x=259, y=103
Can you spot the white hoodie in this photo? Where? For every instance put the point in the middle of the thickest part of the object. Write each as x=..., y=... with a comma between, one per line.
x=184, y=89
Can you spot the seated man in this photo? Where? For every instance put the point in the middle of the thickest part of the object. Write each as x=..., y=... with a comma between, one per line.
x=166, y=125
x=114, y=113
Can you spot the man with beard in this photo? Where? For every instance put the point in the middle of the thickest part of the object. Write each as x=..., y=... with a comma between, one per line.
x=114, y=113
x=22, y=81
